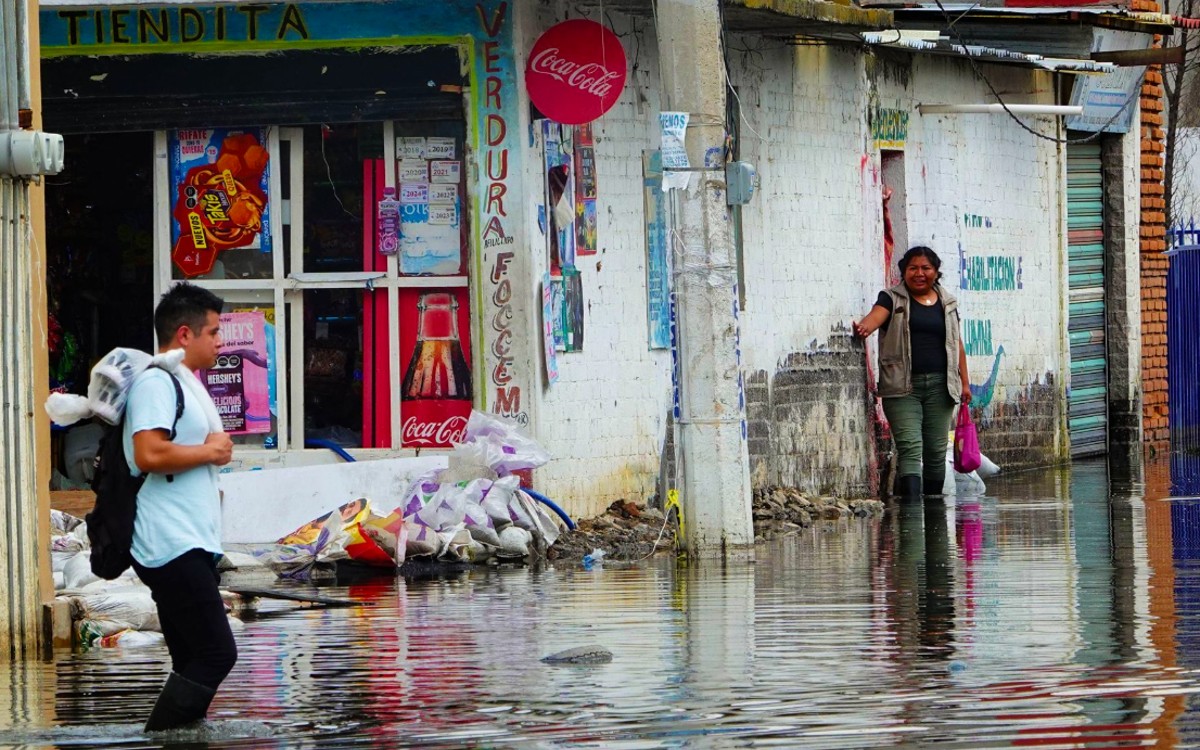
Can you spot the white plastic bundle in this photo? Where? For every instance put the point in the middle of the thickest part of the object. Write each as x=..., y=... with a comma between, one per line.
x=107, y=390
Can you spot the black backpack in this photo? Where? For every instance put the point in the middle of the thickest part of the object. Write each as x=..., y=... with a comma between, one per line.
x=110, y=524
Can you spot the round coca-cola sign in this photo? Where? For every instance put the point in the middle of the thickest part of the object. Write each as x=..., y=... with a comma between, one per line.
x=576, y=71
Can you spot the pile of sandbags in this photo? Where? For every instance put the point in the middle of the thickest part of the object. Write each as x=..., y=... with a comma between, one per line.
x=105, y=614
x=472, y=511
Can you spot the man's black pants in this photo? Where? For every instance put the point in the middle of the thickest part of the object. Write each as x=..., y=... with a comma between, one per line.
x=192, y=616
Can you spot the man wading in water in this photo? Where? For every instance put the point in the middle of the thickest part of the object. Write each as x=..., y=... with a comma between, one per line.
x=177, y=530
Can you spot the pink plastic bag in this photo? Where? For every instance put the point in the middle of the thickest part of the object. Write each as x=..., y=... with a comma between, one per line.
x=966, y=443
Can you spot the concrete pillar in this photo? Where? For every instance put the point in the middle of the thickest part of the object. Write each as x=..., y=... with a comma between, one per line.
x=23, y=424
x=714, y=471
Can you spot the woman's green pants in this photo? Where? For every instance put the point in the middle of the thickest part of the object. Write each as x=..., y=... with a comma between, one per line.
x=920, y=425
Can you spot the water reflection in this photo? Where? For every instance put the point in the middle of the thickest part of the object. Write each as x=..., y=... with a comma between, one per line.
x=1037, y=615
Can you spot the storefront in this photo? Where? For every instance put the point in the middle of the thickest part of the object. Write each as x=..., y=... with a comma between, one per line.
x=339, y=173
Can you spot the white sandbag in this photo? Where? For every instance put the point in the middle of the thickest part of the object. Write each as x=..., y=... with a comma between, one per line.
x=58, y=580
x=133, y=639
x=421, y=540
x=456, y=545
x=514, y=541
x=118, y=610
x=529, y=515
x=495, y=503
x=62, y=523
x=77, y=572
x=59, y=560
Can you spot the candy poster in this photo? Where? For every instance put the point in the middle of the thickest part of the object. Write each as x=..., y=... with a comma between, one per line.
x=238, y=383
x=219, y=195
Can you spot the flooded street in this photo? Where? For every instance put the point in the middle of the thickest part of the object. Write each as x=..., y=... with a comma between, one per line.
x=1059, y=611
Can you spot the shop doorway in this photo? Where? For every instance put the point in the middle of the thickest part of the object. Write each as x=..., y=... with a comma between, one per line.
x=100, y=253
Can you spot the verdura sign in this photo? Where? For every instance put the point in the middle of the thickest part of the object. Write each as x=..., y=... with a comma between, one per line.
x=182, y=24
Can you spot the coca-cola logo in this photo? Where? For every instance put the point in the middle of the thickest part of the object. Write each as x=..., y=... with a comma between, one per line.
x=576, y=72
x=446, y=432
x=593, y=78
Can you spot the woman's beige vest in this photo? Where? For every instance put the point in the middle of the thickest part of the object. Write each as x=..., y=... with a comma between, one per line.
x=895, y=346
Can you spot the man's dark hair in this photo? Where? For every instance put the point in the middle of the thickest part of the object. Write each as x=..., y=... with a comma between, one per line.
x=184, y=305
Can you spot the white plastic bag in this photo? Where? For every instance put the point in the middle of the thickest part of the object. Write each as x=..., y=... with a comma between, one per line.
x=107, y=391
x=468, y=461
x=986, y=467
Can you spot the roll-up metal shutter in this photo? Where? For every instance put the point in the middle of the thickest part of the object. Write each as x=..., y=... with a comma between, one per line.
x=1088, y=404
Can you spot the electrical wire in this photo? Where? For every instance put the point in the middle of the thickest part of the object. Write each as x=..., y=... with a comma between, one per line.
x=962, y=42
x=324, y=131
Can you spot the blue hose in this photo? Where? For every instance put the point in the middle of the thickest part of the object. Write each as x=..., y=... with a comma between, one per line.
x=318, y=443
x=550, y=504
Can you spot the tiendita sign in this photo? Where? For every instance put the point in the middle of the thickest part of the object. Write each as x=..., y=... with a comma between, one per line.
x=576, y=71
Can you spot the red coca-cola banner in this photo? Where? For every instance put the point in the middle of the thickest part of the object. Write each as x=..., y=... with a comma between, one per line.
x=576, y=71
x=435, y=354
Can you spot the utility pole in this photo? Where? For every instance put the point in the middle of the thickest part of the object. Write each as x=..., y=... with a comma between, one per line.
x=714, y=462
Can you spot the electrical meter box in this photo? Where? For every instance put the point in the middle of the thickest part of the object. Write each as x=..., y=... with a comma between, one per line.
x=740, y=180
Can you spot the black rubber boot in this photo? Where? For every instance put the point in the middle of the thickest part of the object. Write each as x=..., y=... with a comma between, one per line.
x=910, y=488
x=934, y=487
x=180, y=703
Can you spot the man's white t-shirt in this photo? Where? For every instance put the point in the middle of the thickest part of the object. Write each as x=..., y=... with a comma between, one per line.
x=185, y=514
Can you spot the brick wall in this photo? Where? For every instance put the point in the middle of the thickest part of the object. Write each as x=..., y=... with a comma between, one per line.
x=1153, y=262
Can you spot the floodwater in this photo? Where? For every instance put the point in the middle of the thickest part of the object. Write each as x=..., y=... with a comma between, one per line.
x=1060, y=611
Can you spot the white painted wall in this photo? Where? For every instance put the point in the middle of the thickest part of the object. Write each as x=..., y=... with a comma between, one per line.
x=979, y=186
x=605, y=419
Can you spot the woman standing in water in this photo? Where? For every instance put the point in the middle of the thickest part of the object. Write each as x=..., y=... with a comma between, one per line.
x=922, y=368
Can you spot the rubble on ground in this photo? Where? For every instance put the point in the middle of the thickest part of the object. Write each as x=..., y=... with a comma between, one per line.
x=626, y=531
x=783, y=511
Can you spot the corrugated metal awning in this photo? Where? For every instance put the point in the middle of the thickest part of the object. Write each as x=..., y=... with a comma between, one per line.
x=897, y=40
x=826, y=19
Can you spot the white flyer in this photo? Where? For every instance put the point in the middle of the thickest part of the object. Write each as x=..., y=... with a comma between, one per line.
x=414, y=170
x=410, y=147
x=443, y=214
x=439, y=148
x=674, y=150
x=443, y=193
x=445, y=172
x=414, y=192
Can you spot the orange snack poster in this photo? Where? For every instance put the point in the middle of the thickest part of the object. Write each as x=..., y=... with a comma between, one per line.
x=219, y=180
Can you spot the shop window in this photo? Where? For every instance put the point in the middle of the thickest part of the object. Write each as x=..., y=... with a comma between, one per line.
x=356, y=278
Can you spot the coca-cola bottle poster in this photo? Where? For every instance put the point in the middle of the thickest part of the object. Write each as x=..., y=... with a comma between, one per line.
x=435, y=358
x=238, y=382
